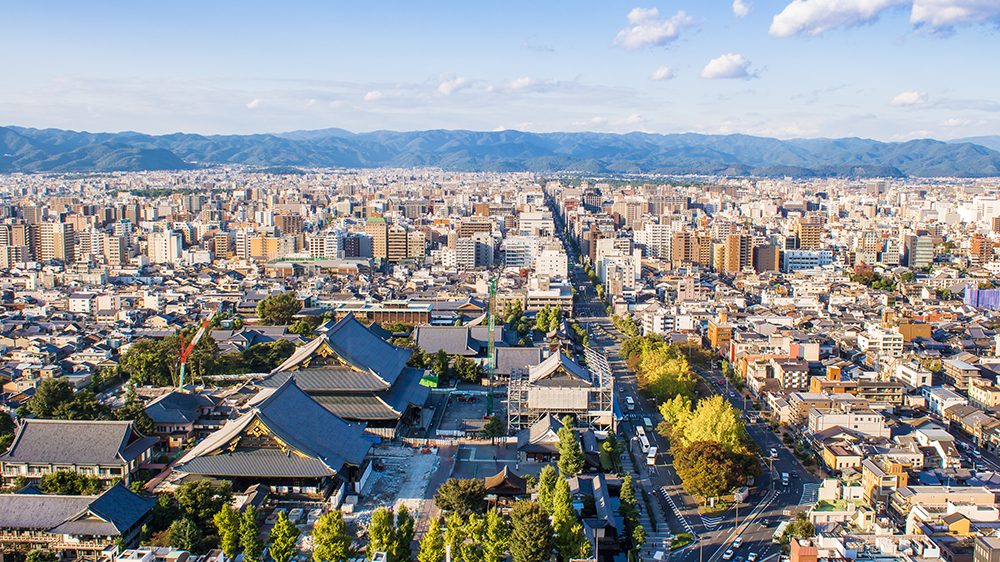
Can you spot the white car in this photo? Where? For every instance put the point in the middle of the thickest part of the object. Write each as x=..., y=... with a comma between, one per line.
x=728, y=554
x=738, y=542
x=752, y=557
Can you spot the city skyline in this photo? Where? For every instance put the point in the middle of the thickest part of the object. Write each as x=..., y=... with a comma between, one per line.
x=890, y=70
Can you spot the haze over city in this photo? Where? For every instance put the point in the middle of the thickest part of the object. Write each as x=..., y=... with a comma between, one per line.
x=883, y=69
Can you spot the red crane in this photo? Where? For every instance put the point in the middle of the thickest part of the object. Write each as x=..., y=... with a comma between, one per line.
x=186, y=350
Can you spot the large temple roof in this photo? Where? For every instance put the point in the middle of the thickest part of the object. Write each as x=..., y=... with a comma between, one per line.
x=315, y=442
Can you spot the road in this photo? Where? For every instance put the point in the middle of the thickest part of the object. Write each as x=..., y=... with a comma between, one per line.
x=759, y=516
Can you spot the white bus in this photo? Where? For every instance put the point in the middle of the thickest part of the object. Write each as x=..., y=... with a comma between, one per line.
x=648, y=424
x=651, y=456
x=640, y=434
x=629, y=403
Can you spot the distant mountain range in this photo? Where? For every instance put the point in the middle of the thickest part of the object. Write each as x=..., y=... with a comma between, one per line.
x=59, y=151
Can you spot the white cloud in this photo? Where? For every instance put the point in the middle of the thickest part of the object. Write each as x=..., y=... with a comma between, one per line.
x=374, y=95
x=910, y=97
x=630, y=120
x=955, y=122
x=310, y=103
x=528, y=84
x=727, y=66
x=499, y=128
x=812, y=17
x=947, y=13
x=741, y=9
x=448, y=83
x=540, y=48
x=663, y=73
x=253, y=104
x=599, y=120
x=650, y=29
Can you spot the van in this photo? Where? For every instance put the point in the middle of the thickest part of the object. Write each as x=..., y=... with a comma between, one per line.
x=629, y=403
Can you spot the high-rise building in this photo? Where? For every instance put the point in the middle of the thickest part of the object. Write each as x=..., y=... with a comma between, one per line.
x=165, y=247
x=766, y=258
x=809, y=232
x=56, y=241
x=738, y=253
x=918, y=250
x=416, y=245
x=396, y=244
x=378, y=229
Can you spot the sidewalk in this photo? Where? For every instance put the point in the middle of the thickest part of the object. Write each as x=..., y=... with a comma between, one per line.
x=447, y=454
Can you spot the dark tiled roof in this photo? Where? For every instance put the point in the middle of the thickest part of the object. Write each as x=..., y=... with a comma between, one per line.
x=509, y=358
x=328, y=379
x=259, y=463
x=545, y=373
x=116, y=510
x=454, y=340
x=177, y=407
x=79, y=442
x=361, y=408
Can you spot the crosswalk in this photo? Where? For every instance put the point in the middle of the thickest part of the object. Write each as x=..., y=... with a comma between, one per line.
x=810, y=494
x=673, y=506
x=711, y=522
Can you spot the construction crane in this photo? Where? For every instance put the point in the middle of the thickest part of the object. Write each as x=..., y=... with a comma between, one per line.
x=491, y=361
x=186, y=350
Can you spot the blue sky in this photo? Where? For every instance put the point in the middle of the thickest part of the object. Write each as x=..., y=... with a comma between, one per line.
x=883, y=69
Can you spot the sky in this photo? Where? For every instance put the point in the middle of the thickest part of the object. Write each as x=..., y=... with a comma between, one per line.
x=891, y=70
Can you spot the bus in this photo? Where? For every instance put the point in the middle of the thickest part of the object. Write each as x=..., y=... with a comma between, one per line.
x=648, y=424
x=780, y=532
x=643, y=441
x=651, y=456
x=630, y=403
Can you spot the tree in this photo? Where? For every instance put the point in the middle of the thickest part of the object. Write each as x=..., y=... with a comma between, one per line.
x=471, y=550
x=264, y=357
x=547, y=486
x=418, y=359
x=38, y=555
x=330, y=539
x=638, y=536
x=227, y=522
x=70, y=483
x=706, y=469
x=301, y=328
x=664, y=372
x=676, y=414
x=715, y=420
x=50, y=396
x=185, y=535
x=164, y=512
x=440, y=364
x=381, y=533
x=200, y=501
x=554, y=319
x=135, y=411
x=406, y=529
x=568, y=531
x=278, y=310
x=531, y=533
x=493, y=428
x=461, y=496
x=282, y=539
x=432, y=545
x=542, y=319
x=454, y=534
x=570, y=453
x=627, y=492
x=497, y=537
x=250, y=536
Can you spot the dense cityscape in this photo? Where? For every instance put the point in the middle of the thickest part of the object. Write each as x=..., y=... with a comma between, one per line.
x=412, y=363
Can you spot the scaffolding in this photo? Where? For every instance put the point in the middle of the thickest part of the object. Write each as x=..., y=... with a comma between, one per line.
x=598, y=413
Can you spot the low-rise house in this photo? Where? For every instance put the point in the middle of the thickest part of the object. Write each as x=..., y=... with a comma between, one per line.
x=176, y=415
x=74, y=527
x=110, y=450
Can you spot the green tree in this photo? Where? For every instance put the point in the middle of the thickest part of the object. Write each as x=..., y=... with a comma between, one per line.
x=70, y=483
x=542, y=319
x=135, y=411
x=164, y=512
x=569, y=536
x=707, y=469
x=555, y=318
x=432, y=545
x=461, y=496
x=278, y=310
x=301, y=328
x=547, y=486
x=440, y=364
x=497, y=537
x=381, y=533
x=638, y=536
x=50, y=397
x=282, y=539
x=200, y=501
x=38, y=555
x=185, y=535
x=227, y=522
x=493, y=428
x=330, y=539
x=570, y=453
x=454, y=534
x=664, y=372
x=264, y=357
x=531, y=533
x=471, y=550
x=418, y=359
x=250, y=536
x=627, y=492
x=406, y=529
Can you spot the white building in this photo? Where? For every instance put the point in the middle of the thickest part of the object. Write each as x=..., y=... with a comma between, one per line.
x=912, y=374
x=794, y=260
x=165, y=247
x=552, y=262
x=883, y=342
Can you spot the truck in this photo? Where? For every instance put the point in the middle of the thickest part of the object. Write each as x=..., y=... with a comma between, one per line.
x=784, y=478
x=779, y=532
x=629, y=403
